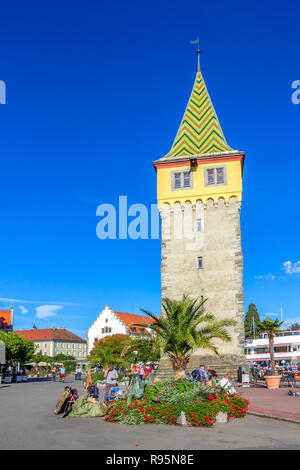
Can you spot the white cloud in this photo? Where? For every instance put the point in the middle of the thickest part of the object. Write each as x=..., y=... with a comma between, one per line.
x=23, y=309
x=268, y=315
x=291, y=268
x=74, y=304
x=268, y=277
x=45, y=311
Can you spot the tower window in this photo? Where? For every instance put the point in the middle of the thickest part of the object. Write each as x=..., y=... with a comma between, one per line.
x=186, y=179
x=200, y=262
x=215, y=176
x=177, y=180
x=181, y=180
x=198, y=225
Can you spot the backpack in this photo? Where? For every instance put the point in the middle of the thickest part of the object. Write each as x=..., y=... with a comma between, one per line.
x=196, y=374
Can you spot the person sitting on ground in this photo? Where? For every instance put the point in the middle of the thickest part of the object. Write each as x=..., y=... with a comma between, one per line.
x=227, y=385
x=212, y=378
x=203, y=375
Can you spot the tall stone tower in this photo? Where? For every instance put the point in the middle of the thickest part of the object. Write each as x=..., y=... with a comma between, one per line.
x=199, y=191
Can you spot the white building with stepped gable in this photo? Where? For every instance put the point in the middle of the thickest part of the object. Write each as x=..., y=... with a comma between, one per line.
x=111, y=322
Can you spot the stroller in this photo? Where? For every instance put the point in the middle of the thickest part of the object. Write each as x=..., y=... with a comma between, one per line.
x=112, y=396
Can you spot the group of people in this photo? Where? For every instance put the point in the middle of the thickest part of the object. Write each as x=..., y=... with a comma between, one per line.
x=140, y=370
x=258, y=371
x=9, y=370
x=61, y=371
x=137, y=371
x=210, y=378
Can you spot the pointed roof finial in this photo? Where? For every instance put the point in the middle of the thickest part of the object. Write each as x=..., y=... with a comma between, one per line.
x=198, y=52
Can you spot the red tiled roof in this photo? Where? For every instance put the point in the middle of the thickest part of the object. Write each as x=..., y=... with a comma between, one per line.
x=5, y=318
x=130, y=319
x=49, y=334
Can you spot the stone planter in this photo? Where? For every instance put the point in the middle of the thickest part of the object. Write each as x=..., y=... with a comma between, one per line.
x=221, y=418
x=272, y=381
x=181, y=420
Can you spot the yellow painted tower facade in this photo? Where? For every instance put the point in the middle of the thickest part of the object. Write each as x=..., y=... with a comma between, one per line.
x=199, y=192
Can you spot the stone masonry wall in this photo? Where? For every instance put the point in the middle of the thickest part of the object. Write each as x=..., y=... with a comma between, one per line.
x=220, y=280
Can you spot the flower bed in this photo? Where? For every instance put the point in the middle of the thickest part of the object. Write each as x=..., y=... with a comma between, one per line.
x=164, y=402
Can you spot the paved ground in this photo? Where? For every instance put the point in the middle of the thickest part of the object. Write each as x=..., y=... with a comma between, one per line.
x=272, y=402
x=27, y=422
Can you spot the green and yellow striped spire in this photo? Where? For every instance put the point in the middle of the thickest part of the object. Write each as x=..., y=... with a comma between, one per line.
x=200, y=131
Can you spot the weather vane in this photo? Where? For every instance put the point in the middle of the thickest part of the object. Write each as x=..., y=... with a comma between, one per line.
x=198, y=52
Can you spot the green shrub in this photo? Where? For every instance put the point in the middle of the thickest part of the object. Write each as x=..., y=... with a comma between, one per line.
x=163, y=403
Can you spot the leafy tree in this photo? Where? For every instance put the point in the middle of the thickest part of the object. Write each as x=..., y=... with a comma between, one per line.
x=17, y=348
x=38, y=358
x=70, y=366
x=252, y=316
x=184, y=326
x=114, y=341
x=144, y=350
x=271, y=327
x=294, y=326
x=63, y=357
x=110, y=350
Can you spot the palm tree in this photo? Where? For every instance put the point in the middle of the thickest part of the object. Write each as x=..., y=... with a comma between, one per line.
x=184, y=326
x=271, y=327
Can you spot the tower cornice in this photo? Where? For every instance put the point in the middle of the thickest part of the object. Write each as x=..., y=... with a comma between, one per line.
x=201, y=159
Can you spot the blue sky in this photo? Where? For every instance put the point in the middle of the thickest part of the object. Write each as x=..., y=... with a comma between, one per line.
x=95, y=93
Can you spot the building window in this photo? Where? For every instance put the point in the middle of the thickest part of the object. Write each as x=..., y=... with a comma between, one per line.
x=106, y=320
x=198, y=225
x=200, y=262
x=215, y=176
x=181, y=180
